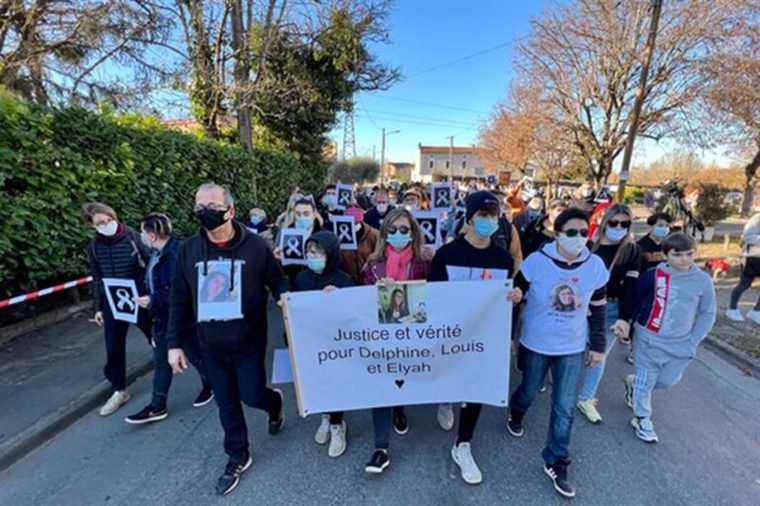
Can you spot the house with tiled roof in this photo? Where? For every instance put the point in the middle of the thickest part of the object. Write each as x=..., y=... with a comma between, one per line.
x=437, y=163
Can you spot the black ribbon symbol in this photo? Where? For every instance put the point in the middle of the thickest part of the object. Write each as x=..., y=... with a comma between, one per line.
x=125, y=299
x=291, y=247
x=344, y=232
x=427, y=229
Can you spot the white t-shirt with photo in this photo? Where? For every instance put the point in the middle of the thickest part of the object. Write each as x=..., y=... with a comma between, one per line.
x=555, y=317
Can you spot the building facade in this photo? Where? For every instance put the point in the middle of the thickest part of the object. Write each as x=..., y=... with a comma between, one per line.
x=437, y=163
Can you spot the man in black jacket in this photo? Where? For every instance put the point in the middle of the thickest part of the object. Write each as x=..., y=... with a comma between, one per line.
x=223, y=274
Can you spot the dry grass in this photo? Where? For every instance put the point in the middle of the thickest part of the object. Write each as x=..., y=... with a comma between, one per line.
x=719, y=249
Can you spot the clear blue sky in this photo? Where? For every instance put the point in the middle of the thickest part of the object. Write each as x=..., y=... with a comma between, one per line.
x=439, y=95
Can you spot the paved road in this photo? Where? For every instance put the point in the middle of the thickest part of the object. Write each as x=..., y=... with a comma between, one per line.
x=709, y=429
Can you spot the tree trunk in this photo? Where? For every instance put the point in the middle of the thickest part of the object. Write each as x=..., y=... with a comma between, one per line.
x=750, y=173
x=242, y=73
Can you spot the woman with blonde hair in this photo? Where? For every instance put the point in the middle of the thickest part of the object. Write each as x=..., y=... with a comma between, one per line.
x=615, y=245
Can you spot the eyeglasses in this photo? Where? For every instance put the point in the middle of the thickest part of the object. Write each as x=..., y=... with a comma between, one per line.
x=403, y=229
x=616, y=223
x=573, y=232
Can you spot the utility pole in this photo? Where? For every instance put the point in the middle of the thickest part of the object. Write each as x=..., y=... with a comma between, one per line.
x=640, y=95
x=382, y=155
x=451, y=159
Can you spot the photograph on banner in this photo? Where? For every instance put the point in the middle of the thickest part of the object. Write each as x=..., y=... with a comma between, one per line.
x=220, y=291
x=345, y=194
x=394, y=346
x=121, y=295
x=293, y=246
x=344, y=227
x=430, y=225
x=402, y=303
x=457, y=273
x=441, y=194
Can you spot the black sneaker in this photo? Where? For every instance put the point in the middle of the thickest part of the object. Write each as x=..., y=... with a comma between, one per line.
x=400, y=423
x=275, y=424
x=147, y=415
x=557, y=472
x=203, y=398
x=378, y=462
x=515, y=426
x=231, y=477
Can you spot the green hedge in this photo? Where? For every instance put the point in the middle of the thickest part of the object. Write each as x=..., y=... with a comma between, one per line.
x=54, y=160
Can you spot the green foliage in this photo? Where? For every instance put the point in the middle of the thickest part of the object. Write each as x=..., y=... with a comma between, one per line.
x=633, y=195
x=54, y=160
x=355, y=170
x=712, y=205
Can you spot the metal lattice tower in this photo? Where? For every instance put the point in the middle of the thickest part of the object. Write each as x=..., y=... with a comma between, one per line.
x=349, y=136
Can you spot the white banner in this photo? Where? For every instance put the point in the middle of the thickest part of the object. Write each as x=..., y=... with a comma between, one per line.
x=400, y=344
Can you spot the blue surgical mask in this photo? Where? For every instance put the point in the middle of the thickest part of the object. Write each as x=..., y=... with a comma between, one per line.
x=331, y=200
x=256, y=219
x=615, y=234
x=382, y=208
x=661, y=231
x=399, y=241
x=304, y=222
x=316, y=263
x=485, y=227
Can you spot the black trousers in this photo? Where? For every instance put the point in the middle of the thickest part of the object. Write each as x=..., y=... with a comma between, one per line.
x=235, y=378
x=468, y=419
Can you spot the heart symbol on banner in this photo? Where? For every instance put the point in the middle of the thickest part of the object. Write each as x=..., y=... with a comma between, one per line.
x=399, y=383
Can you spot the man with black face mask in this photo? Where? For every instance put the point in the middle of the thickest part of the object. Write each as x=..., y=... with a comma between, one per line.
x=222, y=278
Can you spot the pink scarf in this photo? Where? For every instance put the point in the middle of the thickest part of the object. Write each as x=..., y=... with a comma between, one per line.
x=397, y=263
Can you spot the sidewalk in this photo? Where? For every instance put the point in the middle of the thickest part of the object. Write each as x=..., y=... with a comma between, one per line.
x=52, y=377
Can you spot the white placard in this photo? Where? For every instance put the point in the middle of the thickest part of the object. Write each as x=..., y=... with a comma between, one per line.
x=401, y=344
x=345, y=228
x=220, y=291
x=293, y=246
x=121, y=294
x=430, y=226
x=345, y=194
x=441, y=194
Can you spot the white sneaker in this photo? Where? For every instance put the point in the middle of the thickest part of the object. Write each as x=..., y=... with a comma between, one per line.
x=117, y=400
x=735, y=315
x=337, y=440
x=446, y=416
x=754, y=315
x=462, y=455
x=323, y=431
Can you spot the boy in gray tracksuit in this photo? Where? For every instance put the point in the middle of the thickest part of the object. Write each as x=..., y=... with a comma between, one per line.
x=677, y=309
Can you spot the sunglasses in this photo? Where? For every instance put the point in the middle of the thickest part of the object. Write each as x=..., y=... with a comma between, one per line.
x=573, y=232
x=616, y=223
x=403, y=229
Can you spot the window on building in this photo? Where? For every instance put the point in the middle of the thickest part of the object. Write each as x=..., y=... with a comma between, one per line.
x=448, y=164
x=430, y=163
x=464, y=164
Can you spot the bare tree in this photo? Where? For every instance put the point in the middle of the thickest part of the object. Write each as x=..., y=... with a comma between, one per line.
x=585, y=58
x=63, y=51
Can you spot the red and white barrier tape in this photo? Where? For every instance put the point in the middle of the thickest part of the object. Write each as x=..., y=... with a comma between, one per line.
x=45, y=291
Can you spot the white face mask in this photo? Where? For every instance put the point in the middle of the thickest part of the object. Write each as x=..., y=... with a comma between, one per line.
x=382, y=208
x=108, y=229
x=573, y=245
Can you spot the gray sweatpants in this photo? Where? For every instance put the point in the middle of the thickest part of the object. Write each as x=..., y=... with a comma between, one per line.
x=655, y=368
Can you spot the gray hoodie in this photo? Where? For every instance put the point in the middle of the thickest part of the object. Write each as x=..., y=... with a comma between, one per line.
x=677, y=309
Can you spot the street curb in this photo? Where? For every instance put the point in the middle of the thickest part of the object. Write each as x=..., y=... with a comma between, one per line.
x=50, y=425
x=735, y=356
x=22, y=328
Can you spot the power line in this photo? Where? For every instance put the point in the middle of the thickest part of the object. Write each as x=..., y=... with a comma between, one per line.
x=431, y=104
x=440, y=125
x=459, y=60
x=426, y=118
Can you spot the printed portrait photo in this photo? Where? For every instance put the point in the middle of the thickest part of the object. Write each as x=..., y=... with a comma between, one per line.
x=565, y=299
x=402, y=303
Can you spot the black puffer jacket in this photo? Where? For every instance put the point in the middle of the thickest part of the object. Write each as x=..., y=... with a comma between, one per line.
x=332, y=275
x=120, y=256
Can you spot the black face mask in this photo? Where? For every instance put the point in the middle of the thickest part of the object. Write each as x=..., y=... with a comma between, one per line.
x=211, y=219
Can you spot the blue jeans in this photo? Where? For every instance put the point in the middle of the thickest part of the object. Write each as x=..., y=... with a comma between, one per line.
x=162, y=376
x=566, y=370
x=594, y=374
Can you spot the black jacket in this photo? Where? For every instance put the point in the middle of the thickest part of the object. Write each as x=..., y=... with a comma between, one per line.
x=261, y=274
x=373, y=217
x=332, y=275
x=121, y=256
x=162, y=275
